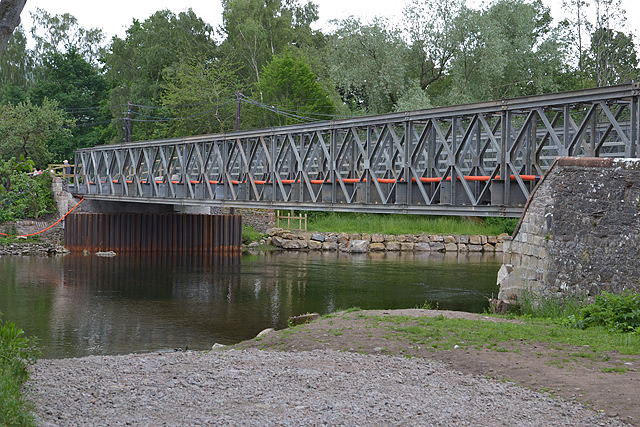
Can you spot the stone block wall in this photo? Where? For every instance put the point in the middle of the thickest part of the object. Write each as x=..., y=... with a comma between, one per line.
x=580, y=231
x=361, y=243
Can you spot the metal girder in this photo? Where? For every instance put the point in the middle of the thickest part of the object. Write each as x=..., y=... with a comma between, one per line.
x=475, y=159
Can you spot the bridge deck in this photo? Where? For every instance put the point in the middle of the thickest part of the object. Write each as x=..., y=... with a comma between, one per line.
x=476, y=159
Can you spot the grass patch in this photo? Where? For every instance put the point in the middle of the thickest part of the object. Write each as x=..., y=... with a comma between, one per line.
x=250, y=235
x=16, y=354
x=349, y=222
x=440, y=332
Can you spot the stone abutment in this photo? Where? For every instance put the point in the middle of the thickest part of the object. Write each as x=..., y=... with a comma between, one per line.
x=579, y=232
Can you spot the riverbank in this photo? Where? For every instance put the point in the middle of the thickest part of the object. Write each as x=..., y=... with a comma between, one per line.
x=362, y=243
x=353, y=368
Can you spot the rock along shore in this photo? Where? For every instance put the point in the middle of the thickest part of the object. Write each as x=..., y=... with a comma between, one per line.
x=362, y=243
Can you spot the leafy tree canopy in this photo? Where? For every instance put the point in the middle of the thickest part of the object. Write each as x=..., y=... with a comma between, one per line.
x=26, y=129
x=289, y=85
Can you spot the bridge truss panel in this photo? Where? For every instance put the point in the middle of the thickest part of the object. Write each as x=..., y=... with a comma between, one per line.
x=475, y=159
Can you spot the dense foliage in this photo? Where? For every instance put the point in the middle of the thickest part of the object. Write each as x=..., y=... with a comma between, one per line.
x=620, y=313
x=176, y=75
x=23, y=194
x=16, y=354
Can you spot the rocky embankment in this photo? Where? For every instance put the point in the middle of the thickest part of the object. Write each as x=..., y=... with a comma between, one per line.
x=50, y=242
x=362, y=243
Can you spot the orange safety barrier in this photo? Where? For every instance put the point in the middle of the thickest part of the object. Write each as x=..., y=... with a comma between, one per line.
x=52, y=225
x=471, y=178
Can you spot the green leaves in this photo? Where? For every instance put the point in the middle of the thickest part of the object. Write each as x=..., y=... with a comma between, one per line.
x=16, y=354
x=288, y=83
x=619, y=313
x=26, y=129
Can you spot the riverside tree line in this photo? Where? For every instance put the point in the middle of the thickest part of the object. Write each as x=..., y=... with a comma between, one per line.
x=176, y=75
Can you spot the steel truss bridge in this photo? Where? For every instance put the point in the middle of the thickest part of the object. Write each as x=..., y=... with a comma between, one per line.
x=480, y=159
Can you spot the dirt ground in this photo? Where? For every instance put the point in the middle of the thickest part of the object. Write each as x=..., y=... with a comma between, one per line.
x=610, y=383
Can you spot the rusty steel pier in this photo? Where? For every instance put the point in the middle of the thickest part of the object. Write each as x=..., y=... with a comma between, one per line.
x=155, y=233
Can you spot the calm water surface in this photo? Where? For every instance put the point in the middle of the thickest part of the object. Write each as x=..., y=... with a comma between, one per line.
x=79, y=305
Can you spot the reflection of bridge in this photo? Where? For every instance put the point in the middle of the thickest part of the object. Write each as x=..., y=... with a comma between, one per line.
x=402, y=162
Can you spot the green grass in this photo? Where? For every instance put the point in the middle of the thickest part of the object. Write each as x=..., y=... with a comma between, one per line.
x=6, y=240
x=250, y=235
x=406, y=224
x=16, y=353
x=440, y=332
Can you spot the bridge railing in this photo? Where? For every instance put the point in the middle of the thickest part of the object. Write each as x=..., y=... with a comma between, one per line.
x=480, y=159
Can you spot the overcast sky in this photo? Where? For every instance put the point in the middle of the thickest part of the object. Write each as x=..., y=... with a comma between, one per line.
x=115, y=16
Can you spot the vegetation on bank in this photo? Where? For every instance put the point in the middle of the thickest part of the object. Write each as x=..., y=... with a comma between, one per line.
x=408, y=224
x=23, y=192
x=16, y=354
x=609, y=323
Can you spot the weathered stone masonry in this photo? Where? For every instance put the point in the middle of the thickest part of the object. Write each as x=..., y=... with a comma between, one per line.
x=580, y=231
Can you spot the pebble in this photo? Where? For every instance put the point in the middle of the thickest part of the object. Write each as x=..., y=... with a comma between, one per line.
x=268, y=388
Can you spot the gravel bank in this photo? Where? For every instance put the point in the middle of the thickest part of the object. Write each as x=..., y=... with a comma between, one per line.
x=267, y=388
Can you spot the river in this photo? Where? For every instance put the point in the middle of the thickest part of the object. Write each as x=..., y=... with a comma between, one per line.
x=81, y=305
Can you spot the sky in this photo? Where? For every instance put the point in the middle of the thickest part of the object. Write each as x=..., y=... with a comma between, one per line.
x=115, y=16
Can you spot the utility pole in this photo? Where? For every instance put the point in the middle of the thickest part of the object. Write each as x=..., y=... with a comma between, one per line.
x=128, y=123
x=239, y=95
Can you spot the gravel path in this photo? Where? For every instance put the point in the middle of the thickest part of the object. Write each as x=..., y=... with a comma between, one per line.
x=266, y=388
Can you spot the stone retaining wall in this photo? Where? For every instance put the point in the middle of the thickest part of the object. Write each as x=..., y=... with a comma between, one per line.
x=360, y=243
x=580, y=231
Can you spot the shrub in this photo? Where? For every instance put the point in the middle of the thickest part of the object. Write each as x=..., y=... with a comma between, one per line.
x=16, y=354
x=619, y=313
x=27, y=197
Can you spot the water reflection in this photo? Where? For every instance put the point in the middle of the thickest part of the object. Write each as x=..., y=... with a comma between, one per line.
x=90, y=305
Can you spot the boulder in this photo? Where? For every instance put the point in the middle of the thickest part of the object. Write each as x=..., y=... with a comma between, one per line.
x=377, y=238
x=436, y=246
x=294, y=244
x=314, y=245
x=475, y=248
x=366, y=237
x=435, y=238
x=358, y=246
x=318, y=237
x=487, y=247
x=329, y=246
x=377, y=247
x=421, y=247
x=463, y=240
x=423, y=238
x=407, y=246
x=475, y=240
x=393, y=246
x=277, y=241
x=449, y=239
x=450, y=247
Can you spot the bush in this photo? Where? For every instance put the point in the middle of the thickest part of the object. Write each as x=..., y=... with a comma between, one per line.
x=16, y=354
x=26, y=197
x=620, y=313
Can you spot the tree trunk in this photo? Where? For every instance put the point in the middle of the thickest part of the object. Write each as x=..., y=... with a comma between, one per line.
x=9, y=19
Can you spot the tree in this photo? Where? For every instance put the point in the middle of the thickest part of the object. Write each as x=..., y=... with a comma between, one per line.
x=258, y=29
x=205, y=92
x=367, y=64
x=289, y=85
x=135, y=64
x=83, y=92
x=26, y=129
x=612, y=58
x=62, y=33
x=16, y=69
x=9, y=19
x=433, y=38
x=507, y=50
